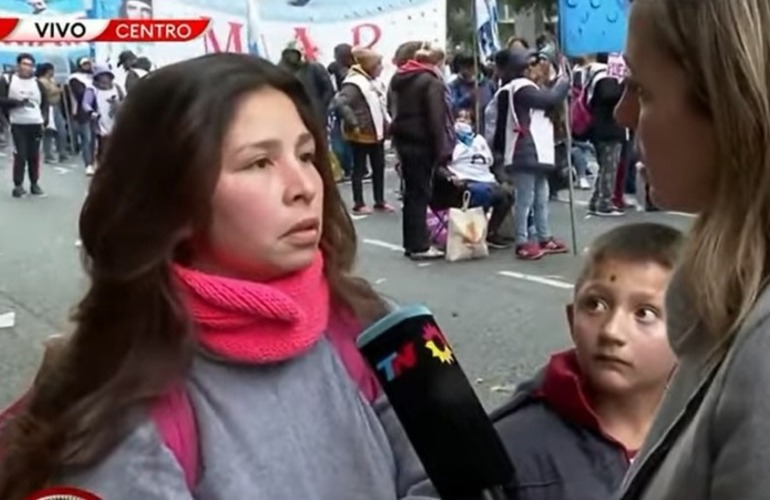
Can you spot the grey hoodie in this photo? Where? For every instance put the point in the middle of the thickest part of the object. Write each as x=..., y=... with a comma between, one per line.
x=299, y=429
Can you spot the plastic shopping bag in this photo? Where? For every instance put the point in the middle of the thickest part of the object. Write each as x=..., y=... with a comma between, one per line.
x=467, y=235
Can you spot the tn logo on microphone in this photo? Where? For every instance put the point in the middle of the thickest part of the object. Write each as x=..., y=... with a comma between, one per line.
x=63, y=493
x=406, y=357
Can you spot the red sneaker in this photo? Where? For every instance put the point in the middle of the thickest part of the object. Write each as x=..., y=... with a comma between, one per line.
x=553, y=246
x=384, y=208
x=362, y=210
x=529, y=251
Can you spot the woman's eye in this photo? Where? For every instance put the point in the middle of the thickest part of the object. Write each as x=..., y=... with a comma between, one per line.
x=307, y=157
x=259, y=163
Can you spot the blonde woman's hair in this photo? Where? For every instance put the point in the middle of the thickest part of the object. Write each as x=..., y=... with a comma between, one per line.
x=723, y=46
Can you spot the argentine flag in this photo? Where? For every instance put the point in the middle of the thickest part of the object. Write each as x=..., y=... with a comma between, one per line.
x=486, y=28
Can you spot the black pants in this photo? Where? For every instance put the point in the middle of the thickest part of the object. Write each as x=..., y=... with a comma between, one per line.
x=376, y=155
x=502, y=204
x=26, y=152
x=100, y=147
x=417, y=167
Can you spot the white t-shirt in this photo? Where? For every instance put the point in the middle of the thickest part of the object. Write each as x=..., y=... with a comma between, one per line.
x=474, y=162
x=25, y=88
x=107, y=102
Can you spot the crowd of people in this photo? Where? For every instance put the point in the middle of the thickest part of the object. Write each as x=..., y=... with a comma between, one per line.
x=222, y=290
x=515, y=104
x=60, y=118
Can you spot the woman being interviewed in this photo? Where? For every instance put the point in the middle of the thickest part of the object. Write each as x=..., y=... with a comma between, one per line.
x=220, y=258
x=698, y=95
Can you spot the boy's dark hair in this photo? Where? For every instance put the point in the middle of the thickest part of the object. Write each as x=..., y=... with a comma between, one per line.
x=640, y=242
x=25, y=56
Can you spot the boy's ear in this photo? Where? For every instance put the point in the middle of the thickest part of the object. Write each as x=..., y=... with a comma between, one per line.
x=570, y=310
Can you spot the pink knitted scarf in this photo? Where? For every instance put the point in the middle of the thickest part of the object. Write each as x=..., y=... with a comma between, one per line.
x=253, y=322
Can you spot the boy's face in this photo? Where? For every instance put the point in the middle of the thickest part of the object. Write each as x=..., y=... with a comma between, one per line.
x=619, y=329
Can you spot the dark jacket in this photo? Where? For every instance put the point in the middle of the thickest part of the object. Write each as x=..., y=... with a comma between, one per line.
x=7, y=103
x=317, y=83
x=418, y=101
x=338, y=71
x=554, y=439
x=357, y=122
x=78, y=91
x=527, y=98
x=606, y=96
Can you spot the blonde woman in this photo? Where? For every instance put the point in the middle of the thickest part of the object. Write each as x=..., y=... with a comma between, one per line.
x=698, y=96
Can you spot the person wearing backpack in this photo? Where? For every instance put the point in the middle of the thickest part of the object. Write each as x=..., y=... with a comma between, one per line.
x=102, y=101
x=213, y=355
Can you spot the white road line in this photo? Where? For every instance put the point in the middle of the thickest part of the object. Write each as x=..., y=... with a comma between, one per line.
x=537, y=279
x=383, y=244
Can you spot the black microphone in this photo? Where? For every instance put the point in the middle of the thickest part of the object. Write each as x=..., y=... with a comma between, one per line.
x=445, y=422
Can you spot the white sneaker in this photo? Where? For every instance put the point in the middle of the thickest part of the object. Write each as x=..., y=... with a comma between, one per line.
x=583, y=183
x=90, y=170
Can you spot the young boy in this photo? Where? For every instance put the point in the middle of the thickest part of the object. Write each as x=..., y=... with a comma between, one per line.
x=573, y=431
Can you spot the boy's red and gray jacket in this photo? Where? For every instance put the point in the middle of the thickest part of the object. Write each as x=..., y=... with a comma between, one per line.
x=554, y=440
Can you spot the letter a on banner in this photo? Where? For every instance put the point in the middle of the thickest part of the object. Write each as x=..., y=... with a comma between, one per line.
x=591, y=26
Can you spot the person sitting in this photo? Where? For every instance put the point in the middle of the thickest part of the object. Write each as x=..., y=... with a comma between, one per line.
x=471, y=171
x=573, y=430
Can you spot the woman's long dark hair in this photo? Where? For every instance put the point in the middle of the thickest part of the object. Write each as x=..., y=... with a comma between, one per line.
x=132, y=337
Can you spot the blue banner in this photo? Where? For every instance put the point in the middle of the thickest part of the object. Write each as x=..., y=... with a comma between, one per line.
x=592, y=26
x=63, y=56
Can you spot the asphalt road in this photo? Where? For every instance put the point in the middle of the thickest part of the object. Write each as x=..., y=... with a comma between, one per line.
x=502, y=316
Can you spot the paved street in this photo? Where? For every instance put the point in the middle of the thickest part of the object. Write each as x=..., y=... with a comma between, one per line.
x=503, y=316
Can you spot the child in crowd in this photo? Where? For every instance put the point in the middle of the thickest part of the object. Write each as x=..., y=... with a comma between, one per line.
x=573, y=431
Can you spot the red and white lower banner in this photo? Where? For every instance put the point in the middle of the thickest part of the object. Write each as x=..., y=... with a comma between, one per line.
x=51, y=29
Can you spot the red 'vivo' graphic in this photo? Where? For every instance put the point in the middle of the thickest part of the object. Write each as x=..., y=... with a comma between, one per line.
x=63, y=493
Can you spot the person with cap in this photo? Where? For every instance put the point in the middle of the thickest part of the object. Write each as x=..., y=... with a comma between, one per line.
x=313, y=76
x=361, y=103
x=128, y=73
x=79, y=81
x=23, y=99
x=101, y=102
x=523, y=141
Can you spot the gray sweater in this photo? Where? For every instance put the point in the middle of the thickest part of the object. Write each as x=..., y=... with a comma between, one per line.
x=294, y=430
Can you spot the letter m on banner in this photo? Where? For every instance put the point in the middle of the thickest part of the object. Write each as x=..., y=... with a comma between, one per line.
x=233, y=42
